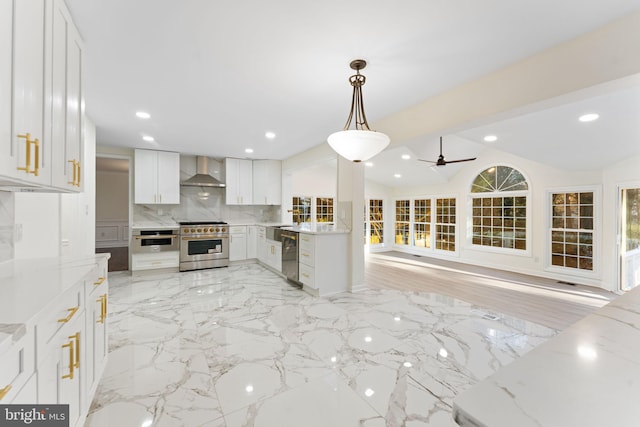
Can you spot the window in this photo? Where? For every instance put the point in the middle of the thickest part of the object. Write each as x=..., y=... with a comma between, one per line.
x=301, y=209
x=422, y=223
x=376, y=223
x=572, y=230
x=499, y=209
x=324, y=209
x=403, y=222
x=446, y=224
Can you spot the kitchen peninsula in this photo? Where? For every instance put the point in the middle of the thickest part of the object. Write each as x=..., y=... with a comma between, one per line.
x=588, y=375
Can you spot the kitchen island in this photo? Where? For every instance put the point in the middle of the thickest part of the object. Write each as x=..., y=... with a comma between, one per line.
x=588, y=375
x=323, y=258
x=53, y=335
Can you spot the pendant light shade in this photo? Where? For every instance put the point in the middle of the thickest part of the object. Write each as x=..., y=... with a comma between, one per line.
x=358, y=145
x=361, y=143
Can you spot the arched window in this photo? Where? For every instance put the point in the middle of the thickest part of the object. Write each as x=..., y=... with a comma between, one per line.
x=499, y=208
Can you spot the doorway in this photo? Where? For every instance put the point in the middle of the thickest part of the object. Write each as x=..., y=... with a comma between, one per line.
x=629, y=248
x=112, y=210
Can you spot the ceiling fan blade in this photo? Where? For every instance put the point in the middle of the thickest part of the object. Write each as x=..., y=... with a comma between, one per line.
x=428, y=161
x=460, y=161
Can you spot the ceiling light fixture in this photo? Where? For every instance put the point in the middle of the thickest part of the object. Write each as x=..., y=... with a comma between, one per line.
x=248, y=150
x=369, y=164
x=588, y=117
x=143, y=115
x=361, y=143
x=406, y=157
x=148, y=138
x=397, y=175
x=270, y=135
x=490, y=138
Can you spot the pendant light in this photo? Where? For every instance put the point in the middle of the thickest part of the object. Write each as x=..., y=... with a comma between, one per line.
x=361, y=143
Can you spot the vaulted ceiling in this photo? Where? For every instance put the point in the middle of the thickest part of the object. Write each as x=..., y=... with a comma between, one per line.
x=216, y=75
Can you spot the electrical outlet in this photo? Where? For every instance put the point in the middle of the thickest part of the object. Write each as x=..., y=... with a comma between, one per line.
x=17, y=234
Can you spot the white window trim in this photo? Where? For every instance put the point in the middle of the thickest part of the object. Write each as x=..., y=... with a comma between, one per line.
x=597, y=238
x=411, y=248
x=619, y=187
x=504, y=251
x=313, y=207
x=376, y=247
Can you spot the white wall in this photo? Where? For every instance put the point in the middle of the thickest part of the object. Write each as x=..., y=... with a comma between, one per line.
x=541, y=179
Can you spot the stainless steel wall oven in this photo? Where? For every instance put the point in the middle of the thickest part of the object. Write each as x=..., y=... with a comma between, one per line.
x=153, y=241
x=203, y=245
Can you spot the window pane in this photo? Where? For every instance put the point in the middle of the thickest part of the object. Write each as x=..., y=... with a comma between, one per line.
x=570, y=212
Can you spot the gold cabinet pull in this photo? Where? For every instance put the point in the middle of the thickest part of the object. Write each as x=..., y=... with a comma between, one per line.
x=27, y=166
x=100, y=281
x=76, y=360
x=4, y=391
x=103, y=308
x=71, y=311
x=73, y=162
x=72, y=365
x=79, y=174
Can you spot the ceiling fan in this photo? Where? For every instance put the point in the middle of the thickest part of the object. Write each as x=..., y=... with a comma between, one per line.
x=441, y=161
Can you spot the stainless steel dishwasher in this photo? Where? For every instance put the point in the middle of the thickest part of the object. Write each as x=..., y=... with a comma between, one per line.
x=289, y=241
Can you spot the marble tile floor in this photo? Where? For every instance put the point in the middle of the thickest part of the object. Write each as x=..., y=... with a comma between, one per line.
x=240, y=346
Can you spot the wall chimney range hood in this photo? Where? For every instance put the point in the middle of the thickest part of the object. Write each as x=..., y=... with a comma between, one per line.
x=202, y=177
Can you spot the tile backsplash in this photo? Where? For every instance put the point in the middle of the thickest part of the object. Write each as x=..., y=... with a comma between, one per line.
x=198, y=204
x=6, y=225
x=208, y=204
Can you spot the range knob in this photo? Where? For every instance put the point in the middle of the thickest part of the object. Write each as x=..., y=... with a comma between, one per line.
x=210, y=229
x=217, y=230
x=199, y=230
x=185, y=230
x=193, y=230
x=223, y=229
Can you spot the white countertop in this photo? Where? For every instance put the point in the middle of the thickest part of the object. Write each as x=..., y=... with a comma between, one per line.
x=588, y=375
x=155, y=226
x=27, y=286
x=318, y=229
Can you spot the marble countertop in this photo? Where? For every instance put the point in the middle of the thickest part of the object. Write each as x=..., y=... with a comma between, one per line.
x=27, y=286
x=588, y=375
x=155, y=226
x=318, y=229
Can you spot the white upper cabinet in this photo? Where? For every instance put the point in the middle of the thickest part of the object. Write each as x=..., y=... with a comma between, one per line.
x=157, y=177
x=267, y=182
x=7, y=160
x=41, y=108
x=66, y=100
x=25, y=144
x=239, y=181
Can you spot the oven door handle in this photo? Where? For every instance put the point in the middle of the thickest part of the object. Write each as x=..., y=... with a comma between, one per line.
x=205, y=238
x=164, y=236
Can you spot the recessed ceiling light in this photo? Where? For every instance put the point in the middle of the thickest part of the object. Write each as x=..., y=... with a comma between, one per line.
x=589, y=117
x=369, y=164
x=148, y=138
x=490, y=138
x=407, y=364
x=397, y=175
x=369, y=392
x=248, y=150
x=368, y=339
x=143, y=115
x=406, y=157
x=269, y=135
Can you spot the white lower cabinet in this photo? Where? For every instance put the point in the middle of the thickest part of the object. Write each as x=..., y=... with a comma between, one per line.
x=273, y=256
x=62, y=367
x=61, y=356
x=237, y=243
x=261, y=244
x=169, y=259
x=252, y=242
x=323, y=267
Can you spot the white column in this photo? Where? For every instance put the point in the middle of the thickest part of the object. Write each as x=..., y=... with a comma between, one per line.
x=350, y=209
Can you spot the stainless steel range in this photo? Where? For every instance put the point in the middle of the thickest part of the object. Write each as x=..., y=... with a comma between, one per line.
x=203, y=245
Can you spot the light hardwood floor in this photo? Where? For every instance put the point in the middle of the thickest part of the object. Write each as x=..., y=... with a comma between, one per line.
x=536, y=299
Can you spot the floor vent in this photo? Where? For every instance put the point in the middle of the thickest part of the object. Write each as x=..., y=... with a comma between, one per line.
x=490, y=317
x=562, y=282
x=418, y=256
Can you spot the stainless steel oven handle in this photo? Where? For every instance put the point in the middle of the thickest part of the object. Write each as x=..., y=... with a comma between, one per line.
x=165, y=236
x=205, y=238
